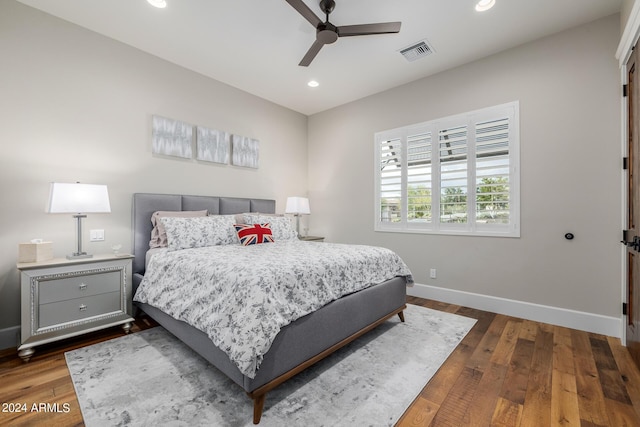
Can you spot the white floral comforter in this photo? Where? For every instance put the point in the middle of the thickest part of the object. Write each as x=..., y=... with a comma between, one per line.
x=241, y=296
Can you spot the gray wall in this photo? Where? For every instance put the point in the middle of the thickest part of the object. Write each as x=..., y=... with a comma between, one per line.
x=625, y=13
x=76, y=106
x=571, y=177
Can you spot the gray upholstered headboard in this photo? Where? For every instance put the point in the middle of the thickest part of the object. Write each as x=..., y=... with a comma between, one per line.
x=145, y=204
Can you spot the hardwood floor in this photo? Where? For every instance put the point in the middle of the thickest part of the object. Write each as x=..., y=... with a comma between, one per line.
x=506, y=372
x=514, y=372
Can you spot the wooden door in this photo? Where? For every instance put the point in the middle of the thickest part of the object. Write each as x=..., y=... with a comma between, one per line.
x=632, y=234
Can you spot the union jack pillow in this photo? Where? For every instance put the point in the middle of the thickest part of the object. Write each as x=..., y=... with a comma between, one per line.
x=252, y=234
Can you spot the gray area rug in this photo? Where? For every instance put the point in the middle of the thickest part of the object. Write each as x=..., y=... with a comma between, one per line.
x=152, y=379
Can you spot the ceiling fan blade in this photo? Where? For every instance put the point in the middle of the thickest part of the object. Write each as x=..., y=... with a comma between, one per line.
x=367, y=29
x=311, y=53
x=304, y=10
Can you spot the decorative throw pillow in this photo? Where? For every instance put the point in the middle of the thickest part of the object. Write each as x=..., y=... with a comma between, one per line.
x=280, y=225
x=158, y=233
x=185, y=233
x=253, y=234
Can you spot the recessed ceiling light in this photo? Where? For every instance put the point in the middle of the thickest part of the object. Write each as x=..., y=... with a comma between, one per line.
x=485, y=5
x=313, y=83
x=158, y=3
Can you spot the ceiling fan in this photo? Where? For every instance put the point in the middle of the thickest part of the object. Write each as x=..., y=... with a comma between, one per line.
x=327, y=33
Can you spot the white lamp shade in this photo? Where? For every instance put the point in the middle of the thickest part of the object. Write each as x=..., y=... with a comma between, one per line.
x=298, y=206
x=78, y=198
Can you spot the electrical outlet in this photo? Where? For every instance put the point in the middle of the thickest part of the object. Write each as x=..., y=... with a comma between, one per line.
x=432, y=273
x=96, y=235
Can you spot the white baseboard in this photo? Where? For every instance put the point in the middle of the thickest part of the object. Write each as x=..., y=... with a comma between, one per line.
x=581, y=320
x=9, y=337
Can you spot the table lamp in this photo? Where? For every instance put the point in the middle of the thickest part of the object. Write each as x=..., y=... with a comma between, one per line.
x=297, y=206
x=79, y=199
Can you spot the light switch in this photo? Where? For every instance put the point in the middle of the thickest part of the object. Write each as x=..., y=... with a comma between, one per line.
x=96, y=235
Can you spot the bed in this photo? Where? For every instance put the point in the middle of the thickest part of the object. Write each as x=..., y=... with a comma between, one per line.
x=297, y=345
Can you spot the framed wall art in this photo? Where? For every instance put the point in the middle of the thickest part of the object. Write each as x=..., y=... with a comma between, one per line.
x=212, y=145
x=171, y=137
x=245, y=151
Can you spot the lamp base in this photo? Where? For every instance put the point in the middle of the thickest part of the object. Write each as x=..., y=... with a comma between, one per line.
x=81, y=255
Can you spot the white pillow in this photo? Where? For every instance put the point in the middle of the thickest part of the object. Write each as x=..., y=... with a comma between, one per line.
x=158, y=235
x=280, y=225
x=197, y=232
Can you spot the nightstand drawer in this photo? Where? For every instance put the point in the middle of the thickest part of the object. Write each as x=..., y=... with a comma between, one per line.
x=80, y=308
x=79, y=286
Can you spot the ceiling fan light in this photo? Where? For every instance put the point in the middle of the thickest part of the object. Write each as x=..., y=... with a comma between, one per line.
x=484, y=5
x=161, y=4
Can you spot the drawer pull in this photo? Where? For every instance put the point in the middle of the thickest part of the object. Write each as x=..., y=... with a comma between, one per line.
x=83, y=287
x=82, y=307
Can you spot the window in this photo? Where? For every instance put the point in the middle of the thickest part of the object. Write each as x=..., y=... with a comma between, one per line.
x=456, y=175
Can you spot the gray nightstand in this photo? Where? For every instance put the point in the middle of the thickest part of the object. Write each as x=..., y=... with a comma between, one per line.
x=312, y=238
x=63, y=298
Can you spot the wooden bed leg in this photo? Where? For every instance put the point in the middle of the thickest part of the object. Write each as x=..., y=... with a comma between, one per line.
x=401, y=316
x=258, y=405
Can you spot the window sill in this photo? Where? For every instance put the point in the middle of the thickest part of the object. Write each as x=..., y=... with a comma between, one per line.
x=449, y=232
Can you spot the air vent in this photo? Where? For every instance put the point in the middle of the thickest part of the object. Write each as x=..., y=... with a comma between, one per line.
x=417, y=51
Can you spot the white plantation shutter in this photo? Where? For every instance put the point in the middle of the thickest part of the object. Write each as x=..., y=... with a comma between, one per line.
x=390, y=167
x=453, y=156
x=492, y=171
x=457, y=175
x=419, y=177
